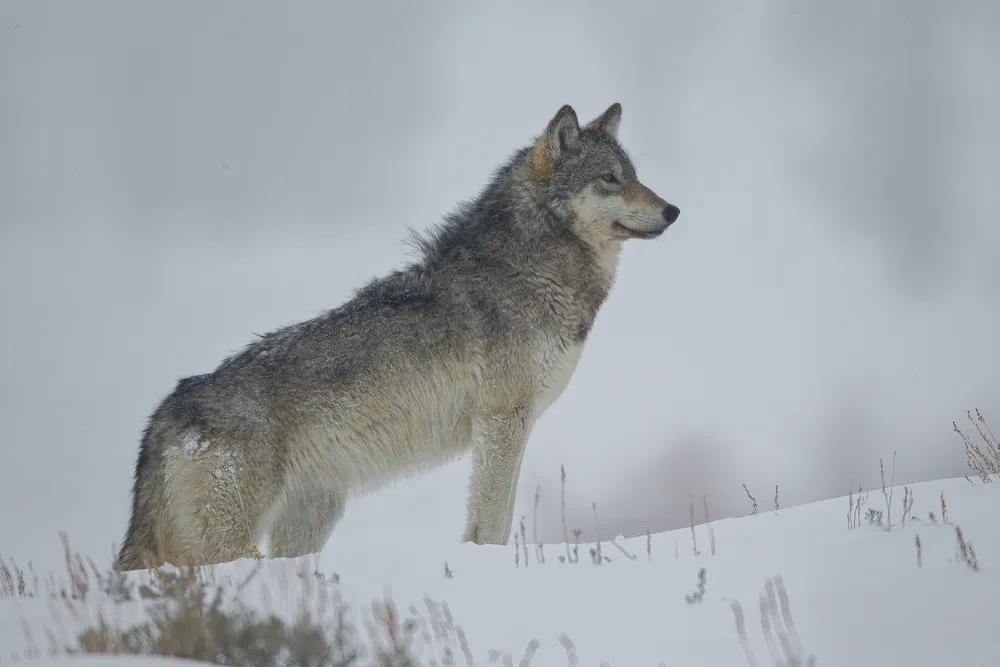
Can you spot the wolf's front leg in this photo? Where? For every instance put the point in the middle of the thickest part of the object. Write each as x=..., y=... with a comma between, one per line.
x=499, y=443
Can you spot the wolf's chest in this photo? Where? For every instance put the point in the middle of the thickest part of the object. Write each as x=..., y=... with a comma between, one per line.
x=555, y=371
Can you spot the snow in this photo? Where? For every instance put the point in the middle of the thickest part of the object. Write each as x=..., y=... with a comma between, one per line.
x=857, y=596
x=192, y=445
x=113, y=661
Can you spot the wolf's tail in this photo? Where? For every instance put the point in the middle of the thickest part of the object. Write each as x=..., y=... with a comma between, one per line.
x=141, y=547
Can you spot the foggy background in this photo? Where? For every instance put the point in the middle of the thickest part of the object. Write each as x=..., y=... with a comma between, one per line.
x=175, y=177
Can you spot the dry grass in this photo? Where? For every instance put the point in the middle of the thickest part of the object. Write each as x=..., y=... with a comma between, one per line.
x=908, y=504
x=778, y=627
x=699, y=592
x=966, y=552
x=887, y=496
x=694, y=537
x=708, y=522
x=752, y=500
x=856, y=501
x=983, y=453
x=189, y=613
x=14, y=583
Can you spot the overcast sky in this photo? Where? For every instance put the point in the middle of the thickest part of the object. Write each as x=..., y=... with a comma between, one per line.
x=177, y=176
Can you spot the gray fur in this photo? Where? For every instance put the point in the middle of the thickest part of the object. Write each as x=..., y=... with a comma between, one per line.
x=462, y=350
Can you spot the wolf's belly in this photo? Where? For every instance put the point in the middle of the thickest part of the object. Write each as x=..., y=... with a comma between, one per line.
x=368, y=440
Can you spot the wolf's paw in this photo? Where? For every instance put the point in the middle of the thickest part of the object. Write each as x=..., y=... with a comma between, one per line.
x=472, y=534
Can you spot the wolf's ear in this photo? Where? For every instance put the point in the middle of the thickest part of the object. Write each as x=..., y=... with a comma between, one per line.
x=563, y=132
x=561, y=135
x=608, y=121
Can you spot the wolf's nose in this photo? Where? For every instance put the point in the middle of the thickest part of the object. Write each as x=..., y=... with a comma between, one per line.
x=671, y=213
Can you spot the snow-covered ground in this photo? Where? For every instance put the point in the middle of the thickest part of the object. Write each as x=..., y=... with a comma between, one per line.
x=856, y=596
x=115, y=661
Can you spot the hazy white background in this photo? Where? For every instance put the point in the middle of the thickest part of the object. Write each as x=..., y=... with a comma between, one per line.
x=177, y=176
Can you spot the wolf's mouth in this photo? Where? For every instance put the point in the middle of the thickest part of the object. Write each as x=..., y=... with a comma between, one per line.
x=637, y=234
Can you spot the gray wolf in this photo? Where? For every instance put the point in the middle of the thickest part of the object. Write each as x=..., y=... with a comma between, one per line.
x=463, y=349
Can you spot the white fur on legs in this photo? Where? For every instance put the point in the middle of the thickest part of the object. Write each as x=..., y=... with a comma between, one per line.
x=499, y=442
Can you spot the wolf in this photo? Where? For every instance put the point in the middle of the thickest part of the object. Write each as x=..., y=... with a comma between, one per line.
x=461, y=350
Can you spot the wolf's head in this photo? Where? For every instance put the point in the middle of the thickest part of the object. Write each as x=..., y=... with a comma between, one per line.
x=588, y=178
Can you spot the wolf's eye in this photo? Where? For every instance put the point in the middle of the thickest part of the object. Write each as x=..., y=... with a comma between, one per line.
x=609, y=178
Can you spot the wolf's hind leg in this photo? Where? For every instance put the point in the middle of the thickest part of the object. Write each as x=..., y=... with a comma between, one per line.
x=305, y=522
x=214, y=505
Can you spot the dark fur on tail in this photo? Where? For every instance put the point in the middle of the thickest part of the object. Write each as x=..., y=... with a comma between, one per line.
x=150, y=539
x=141, y=549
